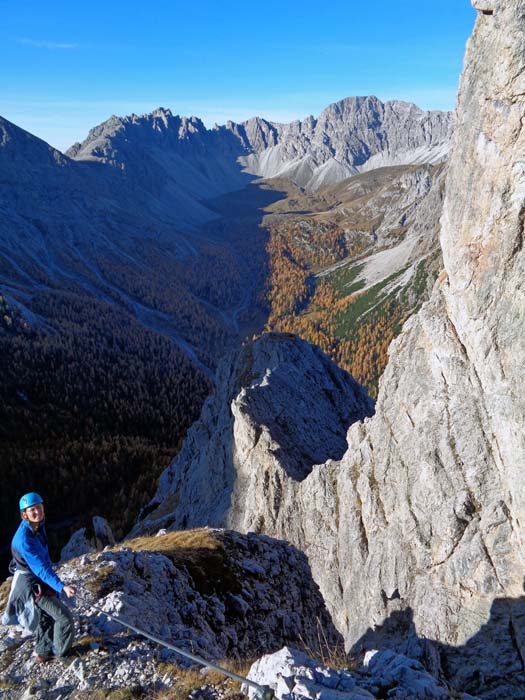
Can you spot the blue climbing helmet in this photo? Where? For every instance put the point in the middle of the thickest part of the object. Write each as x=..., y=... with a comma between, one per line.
x=30, y=499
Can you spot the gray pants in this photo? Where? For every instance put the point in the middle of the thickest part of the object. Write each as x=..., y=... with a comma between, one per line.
x=55, y=631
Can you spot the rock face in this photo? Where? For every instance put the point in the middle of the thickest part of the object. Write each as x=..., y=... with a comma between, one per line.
x=292, y=675
x=82, y=541
x=420, y=522
x=281, y=406
x=162, y=151
x=431, y=487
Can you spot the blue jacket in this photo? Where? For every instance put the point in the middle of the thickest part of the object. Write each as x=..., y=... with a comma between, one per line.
x=30, y=549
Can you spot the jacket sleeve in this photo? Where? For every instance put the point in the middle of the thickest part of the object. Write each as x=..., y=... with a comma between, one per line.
x=39, y=566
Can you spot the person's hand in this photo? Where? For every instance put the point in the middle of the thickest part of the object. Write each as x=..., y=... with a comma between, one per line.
x=69, y=591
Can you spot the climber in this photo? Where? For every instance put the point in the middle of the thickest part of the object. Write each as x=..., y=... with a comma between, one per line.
x=33, y=600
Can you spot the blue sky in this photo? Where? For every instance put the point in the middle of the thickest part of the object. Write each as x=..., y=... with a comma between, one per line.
x=68, y=66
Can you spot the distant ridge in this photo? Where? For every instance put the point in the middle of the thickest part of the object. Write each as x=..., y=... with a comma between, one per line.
x=350, y=136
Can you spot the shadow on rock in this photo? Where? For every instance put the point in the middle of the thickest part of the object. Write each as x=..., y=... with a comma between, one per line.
x=490, y=665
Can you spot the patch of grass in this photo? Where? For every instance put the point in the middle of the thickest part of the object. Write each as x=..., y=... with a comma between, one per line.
x=356, y=287
x=343, y=278
x=239, y=666
x=172, y=544
x=333, y=656
x=347, y=321
x=189, y=680
x=88, y=642
x=419, y=282
x=133, y=693
x=416, y=292
x=103, y=580
x=7, y=658
x=201, y=552
x=9, y=685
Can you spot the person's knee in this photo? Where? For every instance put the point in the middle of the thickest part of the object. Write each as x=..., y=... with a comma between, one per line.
x=66, y=616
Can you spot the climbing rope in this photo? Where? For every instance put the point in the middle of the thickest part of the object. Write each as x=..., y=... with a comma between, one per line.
x=262, y=692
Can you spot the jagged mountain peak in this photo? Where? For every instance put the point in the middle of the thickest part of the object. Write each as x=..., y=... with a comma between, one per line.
x=352, y=135
x=160, y=126
x=353, y=103
x=164, y=112
x=349, y=107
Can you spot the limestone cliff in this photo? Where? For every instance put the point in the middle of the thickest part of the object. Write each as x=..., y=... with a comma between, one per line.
x=432, y=489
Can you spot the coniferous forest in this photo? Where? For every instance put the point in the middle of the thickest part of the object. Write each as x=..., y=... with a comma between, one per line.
x=92, y=408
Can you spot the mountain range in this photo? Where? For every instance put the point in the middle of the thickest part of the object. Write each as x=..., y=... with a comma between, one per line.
x=348, y=137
